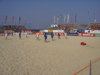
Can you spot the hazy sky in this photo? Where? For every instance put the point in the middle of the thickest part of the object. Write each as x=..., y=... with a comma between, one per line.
x=40, y=13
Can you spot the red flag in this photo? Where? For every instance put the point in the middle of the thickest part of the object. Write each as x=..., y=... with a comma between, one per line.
x=12, y=19
x=5, y=19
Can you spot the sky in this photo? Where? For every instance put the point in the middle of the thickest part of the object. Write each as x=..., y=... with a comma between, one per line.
x=39, y=14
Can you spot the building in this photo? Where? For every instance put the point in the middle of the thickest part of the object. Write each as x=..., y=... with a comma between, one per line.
x=63, y=26
x=67, y=26
x=95, y=26
x=12, y=27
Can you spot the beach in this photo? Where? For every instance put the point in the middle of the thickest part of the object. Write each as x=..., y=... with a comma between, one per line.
x=29, y=56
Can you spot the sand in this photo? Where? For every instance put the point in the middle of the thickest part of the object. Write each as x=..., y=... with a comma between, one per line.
x=29, y=56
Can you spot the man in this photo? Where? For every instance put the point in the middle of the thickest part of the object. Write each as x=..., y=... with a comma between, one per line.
x=6, y=35
x=45, y=37
x=26, y=34
x=37, y=35
x=52, y=35
x=65, y=35
x=20, y=35
x=58, y=35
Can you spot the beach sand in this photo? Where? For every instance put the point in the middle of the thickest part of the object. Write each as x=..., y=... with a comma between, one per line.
x=29, y=56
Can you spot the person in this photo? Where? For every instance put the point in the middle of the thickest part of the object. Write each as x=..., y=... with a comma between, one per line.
x=37, y=35
x=45, y=37
x=26, y=34
x=58, y=35
x=20, y=35
x=6, y=35
x=12, y=33
x=65, y=35
x=52, y=35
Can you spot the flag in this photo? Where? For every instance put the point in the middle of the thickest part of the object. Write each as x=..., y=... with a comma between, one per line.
x=75, y=18
x=19, y=19
x=60, y=19
x=89, y=17
x=54, y=19
x=67, y=18
x=57, y=19
x=71, y=18
x=94, y=20
x=94, y=17
x=12, y=20
x=64, y=18
x=5, y=19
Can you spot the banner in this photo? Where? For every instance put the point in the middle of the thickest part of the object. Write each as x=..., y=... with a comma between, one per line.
x=50, y=30
x=97, y=35
x=56, y=34
x=2, y=34
x=86, y=34
x=72, y=34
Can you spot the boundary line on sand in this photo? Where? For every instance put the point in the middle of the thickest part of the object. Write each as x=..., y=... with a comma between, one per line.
x=86, y=66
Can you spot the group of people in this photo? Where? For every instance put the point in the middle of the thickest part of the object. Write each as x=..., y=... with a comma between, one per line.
x=6, y=35
x=37, y=36
x=52, y=36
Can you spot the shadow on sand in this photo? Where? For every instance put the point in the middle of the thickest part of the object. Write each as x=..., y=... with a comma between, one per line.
x=53, y=39
x=39, y=39
x=46, y=41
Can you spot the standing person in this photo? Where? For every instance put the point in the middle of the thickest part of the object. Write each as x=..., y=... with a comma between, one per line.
x=20, y=35
x=58, y=35
x=37, y=35
x=26, y=34
x=65, y=35
x=12, y=33
x=6, y=35
x=52, y=35
x=45, y=37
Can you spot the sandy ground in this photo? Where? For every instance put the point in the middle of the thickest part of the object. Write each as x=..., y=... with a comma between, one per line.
x=29, y=56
